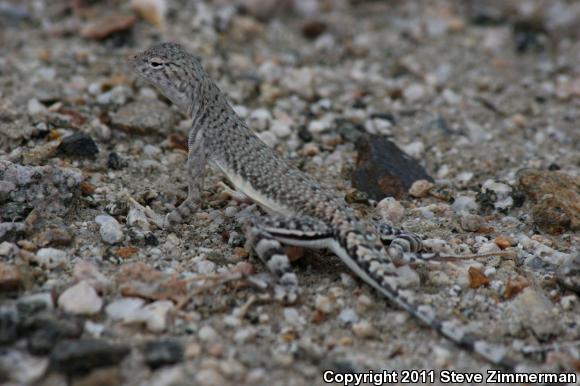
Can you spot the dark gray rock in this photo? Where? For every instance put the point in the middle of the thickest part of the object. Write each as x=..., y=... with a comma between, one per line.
x=45, y=330
x=8, y=325
x=78, y=145
x=81, y=356
x=383, y=170
x=115, y=162
x=161, y=353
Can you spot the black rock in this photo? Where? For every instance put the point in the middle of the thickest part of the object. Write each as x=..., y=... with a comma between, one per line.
x=382, y=169
x=8, y=325
x=45, y=330
x=528, y=35
x=151, y=240
x=164, y=352
x=78, y=145
x=81, y=356
x=115, y=162
x=304, y=134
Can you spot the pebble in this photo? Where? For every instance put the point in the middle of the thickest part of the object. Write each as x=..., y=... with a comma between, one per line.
x=414, y=149
x=81, y=356
x=108, y=23
x=568, y=273
x=317, y=126
x=94, y=329
x=450, y=97
x=145, y=117
x=533, y=310
x=31, y=304
x=268, y=138
x=502, y=192
x=87, y=271
x=153, y=315
x=259, y=120
x=503, y=242
x=463, y=178
x=162, y=353
x=10, y=278
x=471, y=222
x=378, y=126
x=280, y=128
x=207, y=334
x=80, y=299
x=420, y=188
x=153, y=11
x=568, y=302
x=205, y=267
x=9, y=323
x=292, y=316
x=300, y=81
x=347, y=316
x=21, y=368
x=310, y=149
x=78, y=145
x=110, y=229
x=464, y=204
x=245, y=334
x=209, y=377
x=35, y=107
x=391, y=210
x=362, y=329
x=408, y=277
x=50, y=257
x=414, y=93
x=323, y=304
x=123, y=308
x=137, y=218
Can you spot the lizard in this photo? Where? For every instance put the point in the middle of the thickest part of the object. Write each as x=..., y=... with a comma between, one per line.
x=302, y=211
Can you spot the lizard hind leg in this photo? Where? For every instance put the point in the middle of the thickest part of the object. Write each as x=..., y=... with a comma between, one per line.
x=266, y=236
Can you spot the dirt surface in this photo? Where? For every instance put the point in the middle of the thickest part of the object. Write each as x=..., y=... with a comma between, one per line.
x=485, y=95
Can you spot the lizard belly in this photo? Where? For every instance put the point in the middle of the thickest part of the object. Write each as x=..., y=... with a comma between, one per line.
x=268, y=204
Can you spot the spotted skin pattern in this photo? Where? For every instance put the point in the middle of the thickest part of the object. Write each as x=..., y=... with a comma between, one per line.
x=306, y=214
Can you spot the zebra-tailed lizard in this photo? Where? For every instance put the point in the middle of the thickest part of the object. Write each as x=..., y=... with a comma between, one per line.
x=303, y=213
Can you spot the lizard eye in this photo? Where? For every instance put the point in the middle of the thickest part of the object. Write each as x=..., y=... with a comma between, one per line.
x=156, y=63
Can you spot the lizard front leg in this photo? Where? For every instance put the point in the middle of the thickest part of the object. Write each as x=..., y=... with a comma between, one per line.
x=196, y=161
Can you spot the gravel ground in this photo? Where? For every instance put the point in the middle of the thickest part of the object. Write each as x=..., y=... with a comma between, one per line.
x=485, y=95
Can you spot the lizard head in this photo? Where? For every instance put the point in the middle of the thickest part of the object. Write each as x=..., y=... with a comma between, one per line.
x=172, y=70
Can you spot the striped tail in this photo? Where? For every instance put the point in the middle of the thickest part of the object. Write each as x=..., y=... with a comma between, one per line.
x=367, y=258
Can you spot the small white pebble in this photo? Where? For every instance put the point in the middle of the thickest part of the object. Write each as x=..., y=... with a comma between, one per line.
x=568, y=302
x=464, y=204
x=391, y=210
x=323, y=304
x=362, y=329
x=420, y=188
x=347, y=316
x=207, y=334
x=80, y=299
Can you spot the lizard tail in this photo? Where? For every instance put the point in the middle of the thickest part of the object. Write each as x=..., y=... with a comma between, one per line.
x=372, y=264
